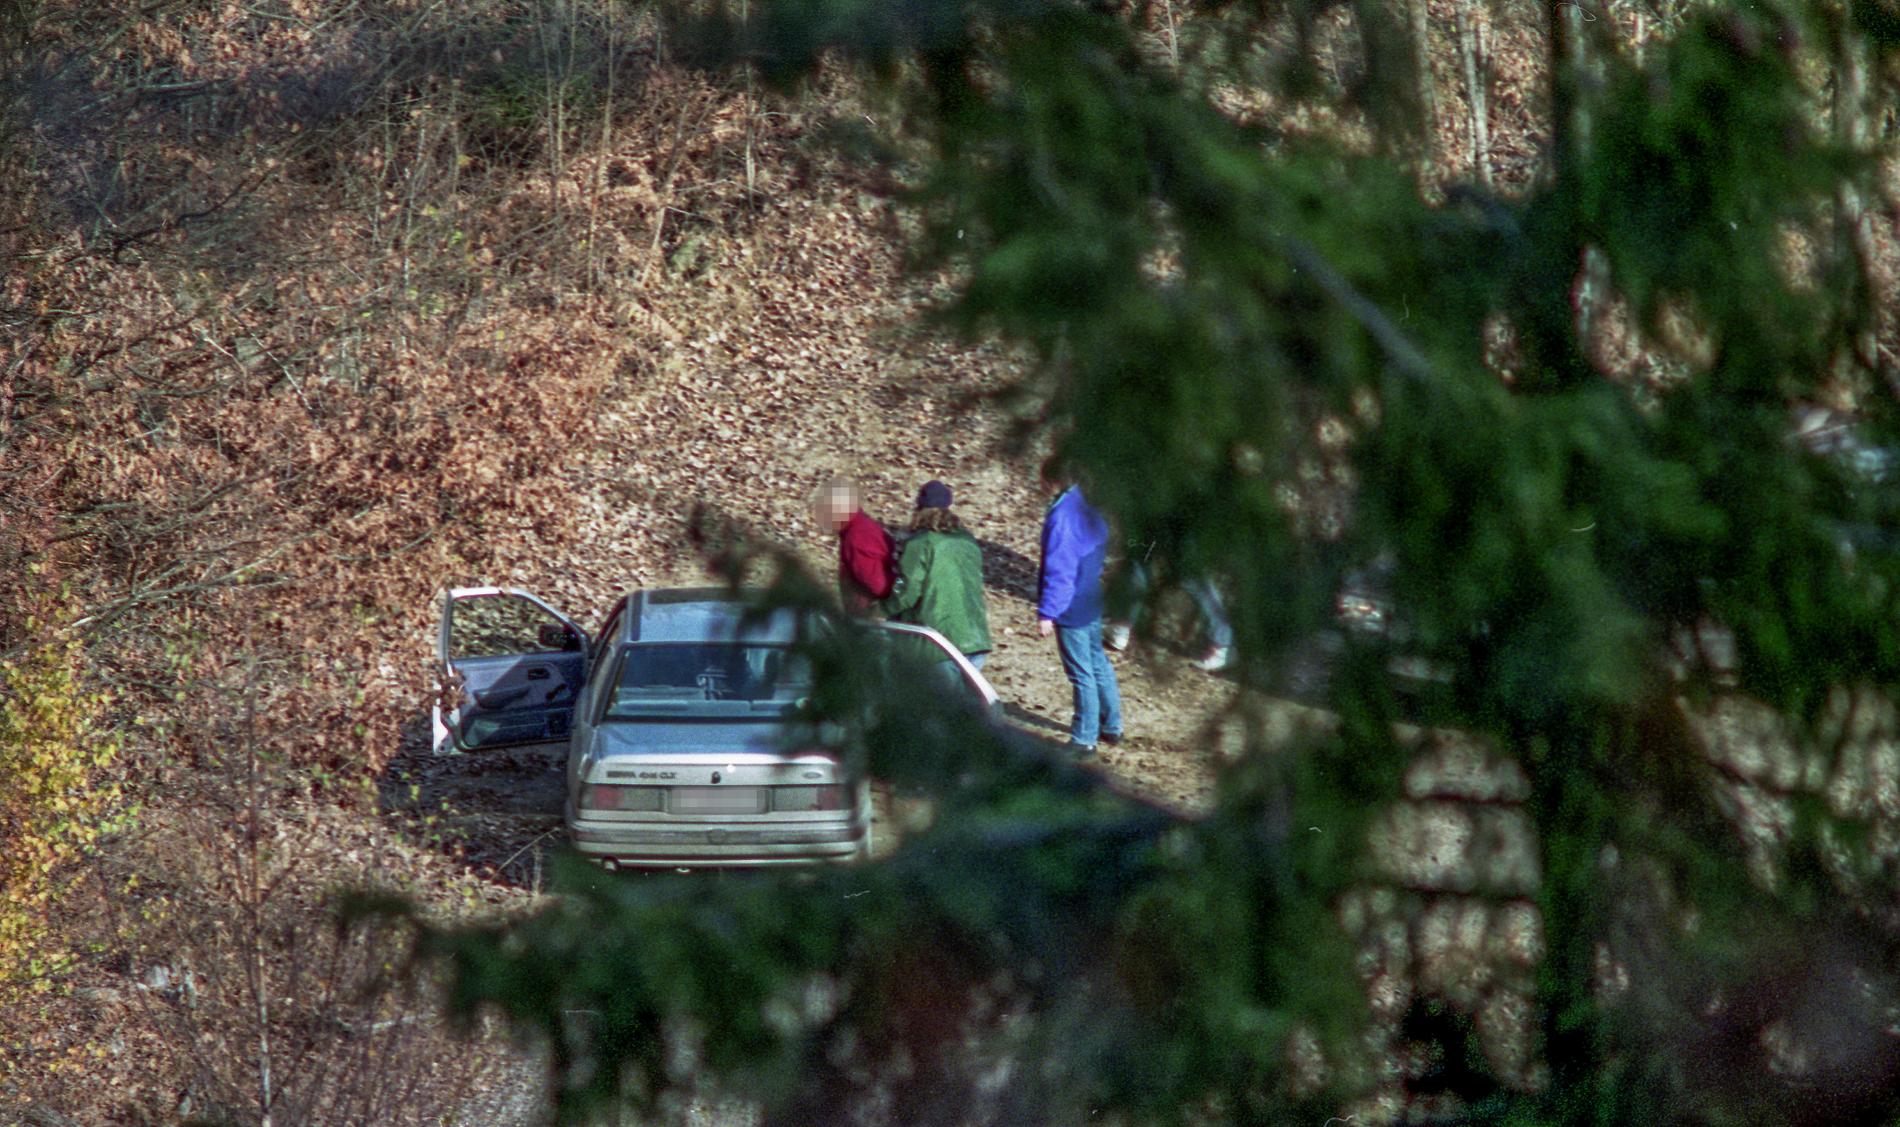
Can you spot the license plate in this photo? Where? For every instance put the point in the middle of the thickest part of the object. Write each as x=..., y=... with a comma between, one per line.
x=717, y=800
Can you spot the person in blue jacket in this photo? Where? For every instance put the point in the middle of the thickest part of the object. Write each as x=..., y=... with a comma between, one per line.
x=1069, y=605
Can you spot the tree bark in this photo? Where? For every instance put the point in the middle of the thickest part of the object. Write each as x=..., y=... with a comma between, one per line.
x=1854, y=236
x=1471, y=52
x=1418, y=12
x=1571, y=73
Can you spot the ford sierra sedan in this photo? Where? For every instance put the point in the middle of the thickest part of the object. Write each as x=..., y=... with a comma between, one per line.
x=679, y=715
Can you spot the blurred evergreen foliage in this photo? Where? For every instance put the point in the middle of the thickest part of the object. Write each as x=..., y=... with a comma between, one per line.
x=1211, y=299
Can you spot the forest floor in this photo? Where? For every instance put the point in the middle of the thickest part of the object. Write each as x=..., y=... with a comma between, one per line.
x=828, y=375
x=799, y=392
x=812, y=360
x=744, y=287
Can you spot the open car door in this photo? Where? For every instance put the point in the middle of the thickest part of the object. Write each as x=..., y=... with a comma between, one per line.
x=508, y=670
x=925, y=647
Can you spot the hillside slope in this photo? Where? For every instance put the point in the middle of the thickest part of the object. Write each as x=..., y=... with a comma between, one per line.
x=309, y=321
x=312, y=310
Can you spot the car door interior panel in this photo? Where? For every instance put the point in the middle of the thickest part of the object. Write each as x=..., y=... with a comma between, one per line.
x=519, y=665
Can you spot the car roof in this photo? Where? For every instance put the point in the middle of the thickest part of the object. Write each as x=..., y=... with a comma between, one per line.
x=703, y=614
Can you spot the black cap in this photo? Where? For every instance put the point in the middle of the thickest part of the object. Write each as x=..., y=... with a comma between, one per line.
x=934, y=495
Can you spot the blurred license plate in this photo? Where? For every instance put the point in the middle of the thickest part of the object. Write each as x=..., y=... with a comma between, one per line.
x=718, y=800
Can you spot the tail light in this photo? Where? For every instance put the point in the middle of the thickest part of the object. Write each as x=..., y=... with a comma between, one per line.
x=604, y=796
x=793, y=800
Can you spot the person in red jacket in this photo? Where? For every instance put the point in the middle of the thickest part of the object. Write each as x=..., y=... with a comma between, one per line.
x=867, y=557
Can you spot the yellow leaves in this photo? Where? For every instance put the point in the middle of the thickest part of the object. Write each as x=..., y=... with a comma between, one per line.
x=57, y=794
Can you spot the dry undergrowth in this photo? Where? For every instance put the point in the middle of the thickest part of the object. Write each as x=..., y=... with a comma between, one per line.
x=309, y=311
x=302, y=318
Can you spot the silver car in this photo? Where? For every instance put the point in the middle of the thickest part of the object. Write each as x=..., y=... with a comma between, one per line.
x=677, y=715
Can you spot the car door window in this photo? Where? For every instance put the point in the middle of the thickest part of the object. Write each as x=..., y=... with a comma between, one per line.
x=502, y=625
x=909, y=653
x=948, y=653
x=514, y=667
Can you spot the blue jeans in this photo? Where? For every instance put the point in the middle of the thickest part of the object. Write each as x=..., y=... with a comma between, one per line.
x=1214, y=612
x=1206, y=598
x=1098, y=697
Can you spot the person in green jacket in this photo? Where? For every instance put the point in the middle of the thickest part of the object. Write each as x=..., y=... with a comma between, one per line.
x=940, y=577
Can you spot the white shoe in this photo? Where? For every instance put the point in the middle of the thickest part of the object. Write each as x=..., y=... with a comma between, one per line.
x=1217, y=659
x=1117, y=636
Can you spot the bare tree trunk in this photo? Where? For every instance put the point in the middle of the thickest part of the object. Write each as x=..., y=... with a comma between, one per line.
x=1570, y=61
x=254, y=894
x=602, y=157
x=1471, y=52
x=751, y=122
x=1418, y=13
x=1576, y=61
x=1854, y=236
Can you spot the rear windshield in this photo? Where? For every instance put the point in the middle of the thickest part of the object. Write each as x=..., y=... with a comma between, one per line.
x=670, y=677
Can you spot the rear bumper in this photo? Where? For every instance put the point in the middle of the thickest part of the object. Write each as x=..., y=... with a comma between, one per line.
x=704, y=846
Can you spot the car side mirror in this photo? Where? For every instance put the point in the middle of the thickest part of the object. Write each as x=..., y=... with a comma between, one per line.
x=555, y=636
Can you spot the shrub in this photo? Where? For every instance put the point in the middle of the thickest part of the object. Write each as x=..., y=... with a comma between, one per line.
x=57, y=795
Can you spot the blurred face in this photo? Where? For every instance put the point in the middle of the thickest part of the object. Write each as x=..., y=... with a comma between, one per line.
x=835, y=506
